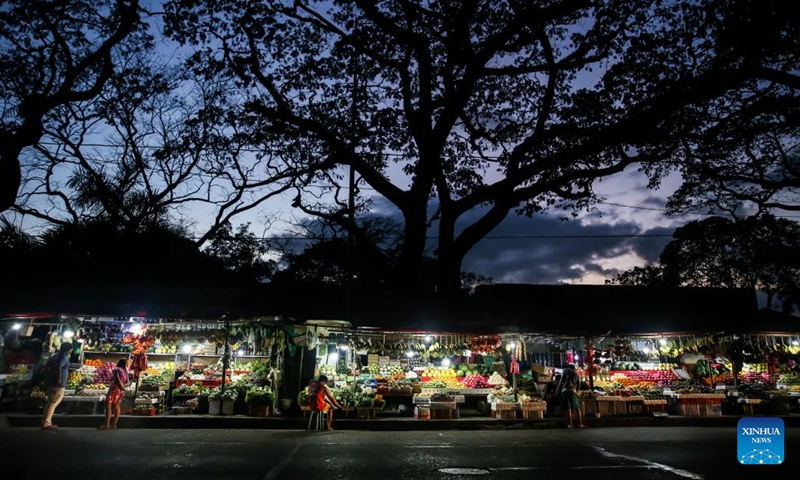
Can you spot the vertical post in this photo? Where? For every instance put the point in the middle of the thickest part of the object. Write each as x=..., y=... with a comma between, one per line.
x=226, y=352
x=351, y=200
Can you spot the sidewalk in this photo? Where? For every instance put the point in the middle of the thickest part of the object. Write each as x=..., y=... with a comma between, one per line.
x=382, y=424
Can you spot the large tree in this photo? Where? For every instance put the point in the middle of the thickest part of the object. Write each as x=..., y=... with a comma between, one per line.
x=752, y=162
x=760, y=252
x=514, y=106
x=155, y=144
x=54, y=54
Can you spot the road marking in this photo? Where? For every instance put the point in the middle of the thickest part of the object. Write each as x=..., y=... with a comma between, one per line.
x=580, y=467
x=277, y=469
x=660, y=466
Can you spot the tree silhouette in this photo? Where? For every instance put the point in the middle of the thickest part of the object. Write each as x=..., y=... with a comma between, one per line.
x=54, y=54
x=760, y=252
x=516, y=106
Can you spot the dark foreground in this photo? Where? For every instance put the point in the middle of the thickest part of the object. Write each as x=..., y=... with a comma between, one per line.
x=630, y=453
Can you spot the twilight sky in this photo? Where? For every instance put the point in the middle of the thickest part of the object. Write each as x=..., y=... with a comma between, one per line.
x=596, y=250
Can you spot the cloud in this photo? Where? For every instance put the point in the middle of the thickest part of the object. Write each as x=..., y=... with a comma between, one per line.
x=586, y=252
x=583, y=253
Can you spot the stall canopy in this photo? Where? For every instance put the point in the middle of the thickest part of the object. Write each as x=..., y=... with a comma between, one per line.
x=618, y=309
x=568, y=309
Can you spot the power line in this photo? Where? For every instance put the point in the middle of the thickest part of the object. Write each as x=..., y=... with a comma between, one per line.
x=497, y=237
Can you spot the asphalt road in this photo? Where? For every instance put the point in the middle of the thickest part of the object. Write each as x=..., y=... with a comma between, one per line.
x=619, y=453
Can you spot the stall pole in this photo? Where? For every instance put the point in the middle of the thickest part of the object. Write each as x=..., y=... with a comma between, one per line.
x=302, y=358
x=226, y=354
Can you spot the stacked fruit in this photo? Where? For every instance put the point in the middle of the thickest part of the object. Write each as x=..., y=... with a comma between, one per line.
x=496, y=379
x=387, y=370
x=96, y=386
x=93, y=363
x=475, y=381
x=74, y=380
x=439, y=373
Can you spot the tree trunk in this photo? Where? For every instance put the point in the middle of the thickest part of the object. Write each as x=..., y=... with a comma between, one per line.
x=409, y=271
x=10, y=173
x=448, y=260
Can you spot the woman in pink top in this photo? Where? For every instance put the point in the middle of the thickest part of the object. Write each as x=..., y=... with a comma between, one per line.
x=115, y=393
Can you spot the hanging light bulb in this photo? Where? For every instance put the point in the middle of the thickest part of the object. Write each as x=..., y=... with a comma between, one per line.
x=646, y=350
x=427, y=338
x=446, y=362
x=662, y=341
x=795, y=343
x=240, y=353
x=410, y=354
x=187, y=348
x=17, y=326
x=136, y=328
x=68, y=334
x=333, y=358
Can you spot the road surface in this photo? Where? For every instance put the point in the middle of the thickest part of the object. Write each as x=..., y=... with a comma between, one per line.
x=619, y=453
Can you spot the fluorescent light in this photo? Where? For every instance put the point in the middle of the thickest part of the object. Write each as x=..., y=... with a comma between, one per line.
x=17, y=326
x=410, y=354
x=662, y=341
x=333, y=358
x=343, y=347
x=187, y=349
x=427, y=338
x=446, y=362
x=68, y=334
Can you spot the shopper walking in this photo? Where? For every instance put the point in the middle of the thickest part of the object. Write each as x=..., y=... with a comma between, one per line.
x=568, y=390
x=320, y=399
x=56, y=376
x=115, y=394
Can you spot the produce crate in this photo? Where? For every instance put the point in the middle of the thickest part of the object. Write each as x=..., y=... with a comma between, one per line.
x=612, y=406
x=366, y=413
x=533, y=406
x=153, y=388
x=533, y=414
x=589, y=406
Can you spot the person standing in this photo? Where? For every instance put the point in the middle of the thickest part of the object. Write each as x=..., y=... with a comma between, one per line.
x=56, y=376
x=320, y=399
x=115, y=393
x=568, y=390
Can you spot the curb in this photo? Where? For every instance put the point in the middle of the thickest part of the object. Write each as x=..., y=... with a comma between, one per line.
x=405, y=424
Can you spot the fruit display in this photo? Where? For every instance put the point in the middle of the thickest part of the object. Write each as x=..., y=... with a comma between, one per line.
x=441, y=397
x=496, y=379
x=465, y=370
x=475, y=381
x=388, y=370
x=789, y=379
x=75, y=380
x=439, y=373
x=93, y=363
x=653, y=396
x=435, y=384
x=105, y=374
x=96, y=386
